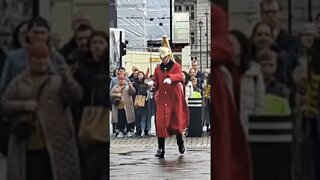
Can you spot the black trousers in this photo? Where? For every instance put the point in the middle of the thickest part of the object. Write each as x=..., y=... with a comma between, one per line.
x=38, y=165
x=161, y=141
x=97, y=161
x=122, y=122
x=271, y=161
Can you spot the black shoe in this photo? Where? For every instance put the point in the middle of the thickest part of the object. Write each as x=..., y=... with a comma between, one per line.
x=160, y=153
x=138, y=133
x=146, y=133
x=182, y=149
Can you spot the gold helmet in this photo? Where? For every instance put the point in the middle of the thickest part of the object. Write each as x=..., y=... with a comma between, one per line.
x=165, y=49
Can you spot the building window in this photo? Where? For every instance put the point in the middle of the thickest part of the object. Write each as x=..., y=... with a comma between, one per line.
x=187, y=8
x=192, y=33
x=175, y=8
x=192, y=8
x=192, y=40
x=179, y=8
x=192, y=15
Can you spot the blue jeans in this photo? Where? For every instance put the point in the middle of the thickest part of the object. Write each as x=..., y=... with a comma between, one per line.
x=142, y=120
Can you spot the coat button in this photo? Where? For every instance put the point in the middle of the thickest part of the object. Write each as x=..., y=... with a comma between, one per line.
x=165, y=104
x=165, y=92
x=166, y=116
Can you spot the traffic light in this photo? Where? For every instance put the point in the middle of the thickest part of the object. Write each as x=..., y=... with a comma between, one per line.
x=123, y=49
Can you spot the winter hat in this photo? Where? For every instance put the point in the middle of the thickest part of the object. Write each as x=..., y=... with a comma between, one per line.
x=220, y=46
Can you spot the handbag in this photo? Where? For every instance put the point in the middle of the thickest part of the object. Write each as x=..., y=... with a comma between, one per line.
x=140, y=101
x=94, y=125
x=23, y=128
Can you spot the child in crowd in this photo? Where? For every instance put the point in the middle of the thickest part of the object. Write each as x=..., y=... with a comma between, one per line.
x=277, y=95
x=268, y=62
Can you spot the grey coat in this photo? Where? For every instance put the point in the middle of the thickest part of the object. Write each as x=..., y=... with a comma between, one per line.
x=56, y=122
x=126, y=97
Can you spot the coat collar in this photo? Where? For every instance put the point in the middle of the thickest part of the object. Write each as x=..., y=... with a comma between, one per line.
x=254, y=69
x=26, y=75
x=166, y=67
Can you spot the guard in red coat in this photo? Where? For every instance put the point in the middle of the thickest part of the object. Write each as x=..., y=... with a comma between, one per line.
x=231, y=158
x=172, y=116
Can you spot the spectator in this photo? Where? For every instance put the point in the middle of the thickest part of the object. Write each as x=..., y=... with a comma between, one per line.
x=123, y=111
x=241, y=56
x=188, y=88
x=43, y=144
x=195, y=66
x=19, y=36
x=271, y=14
x=307, y=37
x=114, y=80
x=286, y=43
x=91, y=77
x=142, y=123
x=134, y=74
x=206, y=109
x=304, y=164
x=252, y=89
x=38, y=31
x=82, y=35
x=268, y=62
x=196, y=90
x=262, y=37
x=193, y=74
x=205, y=76
x=78, y=19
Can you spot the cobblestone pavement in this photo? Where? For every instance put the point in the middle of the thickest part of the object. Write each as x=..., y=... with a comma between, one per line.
x=133, y=158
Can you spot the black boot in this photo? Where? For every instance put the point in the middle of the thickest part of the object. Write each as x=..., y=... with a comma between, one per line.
x=146, y=133
x=138, y=132
x=160, y=151
x=180, y=143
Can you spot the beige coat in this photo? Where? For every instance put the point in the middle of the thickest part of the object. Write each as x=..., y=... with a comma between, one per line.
x=56, y=122
x=126, y=97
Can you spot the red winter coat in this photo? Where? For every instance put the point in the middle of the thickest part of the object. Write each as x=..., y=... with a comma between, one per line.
x=172, y=111
x=231, y=159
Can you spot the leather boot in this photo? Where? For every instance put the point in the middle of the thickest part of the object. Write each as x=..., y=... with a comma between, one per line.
x=180, y=143
x=160, y=152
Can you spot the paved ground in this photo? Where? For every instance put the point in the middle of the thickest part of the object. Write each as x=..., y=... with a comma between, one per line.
x=133, y=158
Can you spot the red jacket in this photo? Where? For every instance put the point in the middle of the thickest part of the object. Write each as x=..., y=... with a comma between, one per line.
x=231, y=159
x=172, y=110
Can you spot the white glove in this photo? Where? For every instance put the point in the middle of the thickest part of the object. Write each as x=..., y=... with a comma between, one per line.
x=167, y=81
x=150, y=83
